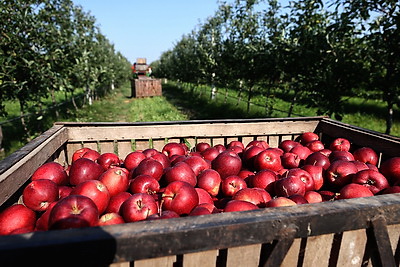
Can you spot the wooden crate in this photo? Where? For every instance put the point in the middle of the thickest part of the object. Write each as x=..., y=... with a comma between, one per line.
x=355, y=232
x=145, y=86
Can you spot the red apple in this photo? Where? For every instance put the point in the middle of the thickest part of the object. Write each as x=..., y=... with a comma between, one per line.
x=209, y=180
x=149, y=152
x=264, y=179
x=91, y=154
x=64, y=191
x=199, y=210
x=173, y=148
x=260, y=143
x=74, y=211
x=227, y=163
x=180, y=197
x=287, y=145
x=197, y=163
x=391, y=190
x=162, y=158
x=84, y=169
x=373, y=180
x=341, y=155
x=204, y=196
x=249, y=154
x=42, y=223
x=302, y=151
x=304, y=176
x=110, y=219
x=235, y=143
x=79, y=153
x=239, y=205
x=315, y=145
x=133, y=159
x=291, y=185
x=366, y=155
x=290, y=160
x=221, y=148
x=52, y=171
x=237, y=149
x=116, y=201
x=180, y=172
x=138, y=207
x=298, y=199
x=340, y=144
x=16, y=217
x=39, y=194
x=360, y=165
x=200, y=147
x=257, y=196
x=354, y=191
x=316, y=173
x=328, y=195
x=307, y=137
x=318, y=159
x=280, y=202
x=210, y=207
x=210, y=153
x=165, y=214
x=313, y=197
x=109, y=160
x=340, y=173
x=231, y=184
x=150, y=167
x=96, y=191
x=116, y=180
x=144, y=184
x=390, y=168
x=268, y=159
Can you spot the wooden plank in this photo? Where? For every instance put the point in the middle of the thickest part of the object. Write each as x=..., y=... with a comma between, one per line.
x=15, y=173
x=158, y=144
x=383, y=242
x=187, y=130
x=318, y=250
x=142, y=144
x=200, y=259
x=107, y=147
x=156, y=262
x=273, y=141
x=120, y=264
x=124, y=148
x=352, y=248
x=158, y=238
x=292, y=256
x=394, y=235
x=282, y=248
x=244, y=256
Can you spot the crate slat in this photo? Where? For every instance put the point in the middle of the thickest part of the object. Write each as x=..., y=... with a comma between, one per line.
x=200, y=259
x=318, y=250
x=352, y=248
x=292, y=256
x=156, y=262
x=244, y=256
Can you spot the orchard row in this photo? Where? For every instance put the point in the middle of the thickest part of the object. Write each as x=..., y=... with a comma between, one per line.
x=103, y=189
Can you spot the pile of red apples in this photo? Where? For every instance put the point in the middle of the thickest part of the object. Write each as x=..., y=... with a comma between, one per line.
x=103, y=189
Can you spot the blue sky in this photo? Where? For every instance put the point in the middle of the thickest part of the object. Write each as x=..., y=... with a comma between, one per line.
x=147, y=28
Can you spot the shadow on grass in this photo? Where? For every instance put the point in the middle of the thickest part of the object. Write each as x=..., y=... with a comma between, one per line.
x=198, y=108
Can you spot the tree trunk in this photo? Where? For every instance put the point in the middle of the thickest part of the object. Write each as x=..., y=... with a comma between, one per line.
x=23, y=123
x=53, y=99
x=249, y=98
x=389, y=116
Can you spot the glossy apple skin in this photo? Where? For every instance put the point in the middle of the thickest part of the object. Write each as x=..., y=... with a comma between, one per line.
x=96, y=191
x=280, y=202
x=390, y=168
x=108, y=160
x=231, y=184
x=291, y=185
x=199, y=210
x=366, y=155
x=115, y=179
x=316, y=173
x=304, y=176
x=150, y=167
x=197, y=163
x=210, y=180
x=313, y=197
x=165, y=214
x=340, y=144
x=239, y=205
x=79, y=153
x=200, y=147
x=138, y=207
x=52, y=171
x=181, y=171
x=84, y=169
x=354, y=191
x=227, y=163
x=373, y=180
x=318, y=159
x=287, y=145
x=302, y=151
x=204, y=196
x=290, y=160
x=264, y=179
x=307, y=137
x=173, y=148
x=144, y=184
x=269, y=159
x=110, y=219
x=340, y=173
x=74, y=211
x=180, y=197
x=16, y=217
x=133, y=159
x=315, y=145
x=298, y=199
x=39, y=194
x=249, y=154
x=257, y=196
x=116, y=201
x=210, y=153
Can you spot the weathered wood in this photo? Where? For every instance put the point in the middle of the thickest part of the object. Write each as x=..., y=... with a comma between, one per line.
x=156, y=262
x=382, y=241
x=318, y=250
x=121, y=264
x=244, y=256
x=292, y=256
x=147, y=87
x=284, y=243
x=352, y=248
x=200, y=259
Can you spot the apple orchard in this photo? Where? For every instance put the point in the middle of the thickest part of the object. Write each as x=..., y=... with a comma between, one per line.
x=102, y=189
